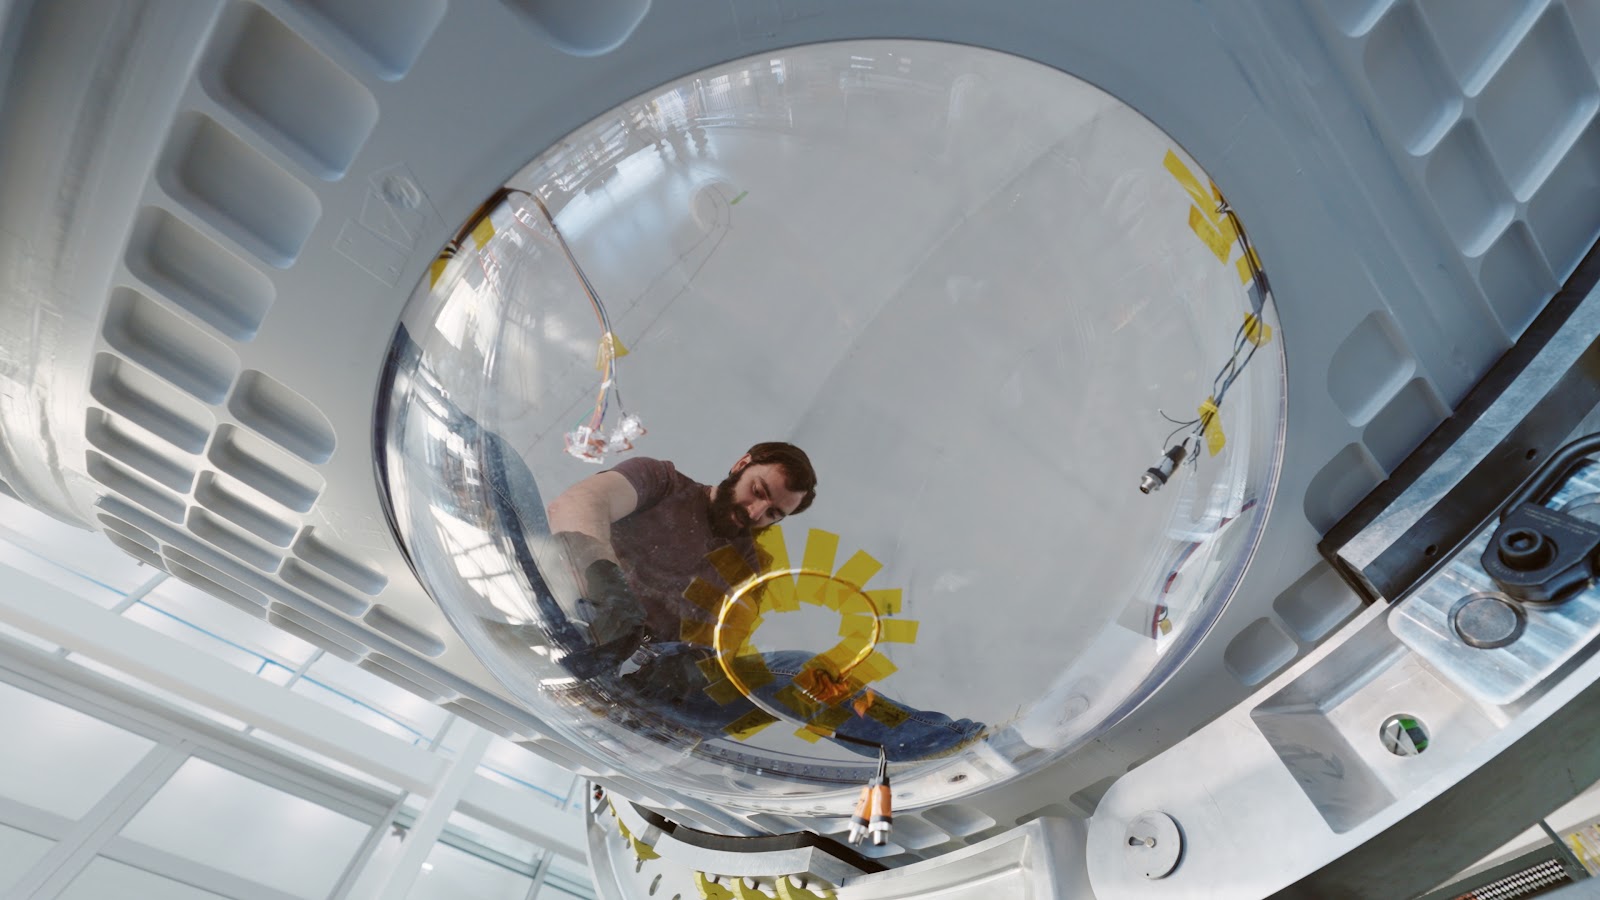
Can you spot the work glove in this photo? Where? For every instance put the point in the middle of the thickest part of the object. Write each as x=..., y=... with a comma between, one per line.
x=670, y=680
x=608, y=603
x=615, y=618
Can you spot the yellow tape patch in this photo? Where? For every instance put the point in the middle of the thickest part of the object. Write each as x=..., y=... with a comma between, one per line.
x=710, y=891
x=641, y=850
x=1246, y=272
x=778, y=594
x=701, y=634
x=706, y=596
x=821, y=548
x=1214, y=229
x=1256, y=331
x=856, y=571
x=610, y=349
x=1211, y=426
x=746, y=726
x=483, y=232
x=731, y=565
x=887, y=602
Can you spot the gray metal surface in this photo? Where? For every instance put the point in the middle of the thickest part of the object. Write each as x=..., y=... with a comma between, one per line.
x=1552, y=636
x=1554, y=362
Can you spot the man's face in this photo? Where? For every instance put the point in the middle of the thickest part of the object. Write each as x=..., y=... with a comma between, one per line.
x=752, y=496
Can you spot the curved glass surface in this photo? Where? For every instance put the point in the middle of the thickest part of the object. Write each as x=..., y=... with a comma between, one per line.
x=971, y=289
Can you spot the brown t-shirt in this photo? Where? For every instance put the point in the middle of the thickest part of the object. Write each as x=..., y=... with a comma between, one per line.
x=663, y=545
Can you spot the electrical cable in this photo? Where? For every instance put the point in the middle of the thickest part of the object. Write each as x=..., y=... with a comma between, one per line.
x=587, y=439
x=1248, y=333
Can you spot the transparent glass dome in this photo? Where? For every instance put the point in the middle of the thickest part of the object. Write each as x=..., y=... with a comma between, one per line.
x=972, y=289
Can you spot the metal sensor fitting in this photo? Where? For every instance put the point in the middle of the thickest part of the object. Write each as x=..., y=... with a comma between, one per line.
x=1157, y=475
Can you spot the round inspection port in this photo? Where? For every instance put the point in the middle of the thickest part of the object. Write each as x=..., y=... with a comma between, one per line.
x=1404, y=735
x=1487, y=620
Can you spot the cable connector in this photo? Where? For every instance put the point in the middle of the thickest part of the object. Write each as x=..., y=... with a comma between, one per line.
x=1156, y=476
x=587, y=444
x=627, y=431
x=874, y=813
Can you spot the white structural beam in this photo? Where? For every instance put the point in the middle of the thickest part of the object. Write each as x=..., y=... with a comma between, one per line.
x=524, y=812
x=49, y=612
x=442, y=800
x=46, y=611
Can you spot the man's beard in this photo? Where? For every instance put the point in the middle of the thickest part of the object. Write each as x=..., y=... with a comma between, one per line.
x=728, y=519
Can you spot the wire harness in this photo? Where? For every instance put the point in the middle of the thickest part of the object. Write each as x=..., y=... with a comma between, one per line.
x=1205, y=430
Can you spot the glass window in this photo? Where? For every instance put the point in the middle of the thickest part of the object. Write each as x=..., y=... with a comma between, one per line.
x=221, y=819
x=104, y=878
x=67, y=761
x=450, y=874
x=19, y=850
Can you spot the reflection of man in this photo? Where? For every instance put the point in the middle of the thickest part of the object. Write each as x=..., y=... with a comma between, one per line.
x=657, y=525
x=641, y=533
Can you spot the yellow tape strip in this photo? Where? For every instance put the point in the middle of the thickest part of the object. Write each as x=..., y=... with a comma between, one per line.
x=874, y=668
x=1256, y=331
x=744, y=727
x=701, y=634
x=483, y=232
x=705, y=595
x=610, y=349
x=887, y=602
x=1219, y=239
x=890, y=714
x=853, y=626
x=821, y=548
x=777, y=594
x=854, y=603
x=809, y=736
x=857, y=571
x=731, y=565
x=830, y=718
x=710, y=891
x=641, y=850
x=752, y=670
x=1211, y=426
x=1214, y=229
x=1246, y=273
x=723, y=692
x=436, y=270
x=836, y=658
x=890, y=631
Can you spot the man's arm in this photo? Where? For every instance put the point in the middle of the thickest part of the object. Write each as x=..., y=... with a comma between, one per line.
x=588, y=508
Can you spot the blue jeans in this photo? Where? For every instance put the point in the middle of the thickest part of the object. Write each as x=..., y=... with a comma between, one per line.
x=670, y=683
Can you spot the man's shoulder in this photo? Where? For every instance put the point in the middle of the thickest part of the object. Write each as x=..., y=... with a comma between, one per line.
x=649, y=466
x=654, y=478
